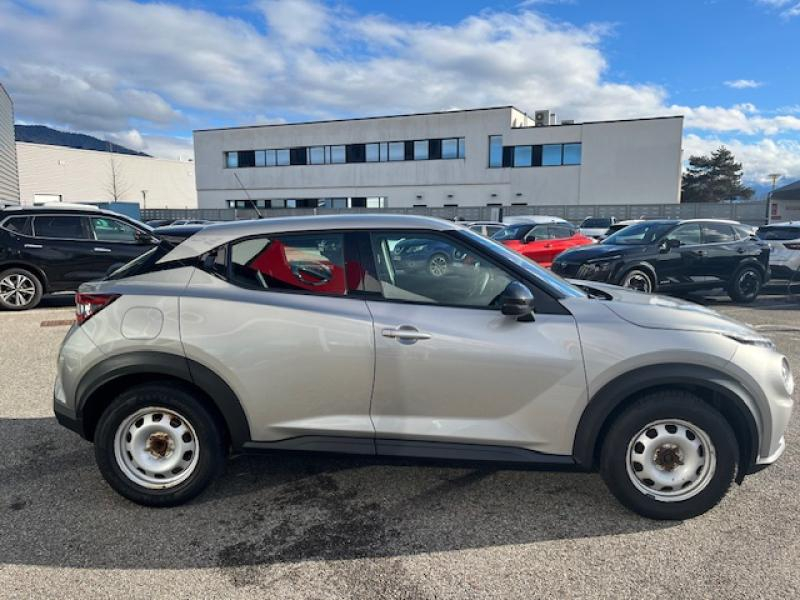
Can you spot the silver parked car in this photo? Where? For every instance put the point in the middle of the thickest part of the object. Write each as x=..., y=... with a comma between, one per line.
x=327, y=333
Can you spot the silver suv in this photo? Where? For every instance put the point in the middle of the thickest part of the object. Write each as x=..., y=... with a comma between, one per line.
x=409, y=336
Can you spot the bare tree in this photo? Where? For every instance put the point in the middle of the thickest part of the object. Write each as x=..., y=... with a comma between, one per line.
x=117, y=187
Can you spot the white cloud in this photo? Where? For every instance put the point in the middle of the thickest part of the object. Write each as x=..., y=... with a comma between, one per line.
x=178, y=148
x=758, y=159
x=787, y=8
x=743, y=84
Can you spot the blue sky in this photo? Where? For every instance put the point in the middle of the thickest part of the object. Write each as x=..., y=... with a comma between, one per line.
x=145, y=74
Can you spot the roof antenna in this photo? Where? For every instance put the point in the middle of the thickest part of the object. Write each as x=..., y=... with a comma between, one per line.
x=249, y=199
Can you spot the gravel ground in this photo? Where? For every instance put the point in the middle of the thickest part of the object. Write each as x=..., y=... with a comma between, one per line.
x=296, y=526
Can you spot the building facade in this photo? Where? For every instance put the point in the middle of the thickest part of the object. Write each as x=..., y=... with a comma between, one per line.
x=9, y=180
x=59, y=174
x=480, y=157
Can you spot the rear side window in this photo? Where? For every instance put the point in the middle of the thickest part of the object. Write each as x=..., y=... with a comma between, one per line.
x=300, y=263
x=717, y=233
x=561, y=231
x=63, y=227
x=21, y=225
x=540, y=232
x=778, y=233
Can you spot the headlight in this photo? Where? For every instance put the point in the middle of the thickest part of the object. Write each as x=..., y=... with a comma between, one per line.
x=751, y=340
x=788, y=378
x=605, y=260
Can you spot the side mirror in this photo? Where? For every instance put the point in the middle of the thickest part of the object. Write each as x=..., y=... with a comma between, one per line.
x=517, y=301
x=529, y=238
x=142, y=237
x=670, y=244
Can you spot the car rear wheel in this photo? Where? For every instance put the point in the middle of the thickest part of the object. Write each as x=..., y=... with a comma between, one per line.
x=438, y=265
x=669, y=456
x=746, y=284
x=639, y=280
x=19, y=289
x=158, y=446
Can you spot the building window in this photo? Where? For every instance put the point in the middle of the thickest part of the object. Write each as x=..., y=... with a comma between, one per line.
x=247, y=158
x=282, y=157
x=316, y=155
x=450, y=148
x=231, y=160
x=523, y=156
x=297, y=156
x=384, y=151
x=572, y=154
x=269, y=158
x=462, y=149
x=376, y=202
x=397, y=151
x=337, y=155
x=551, y=155
x=495, y=151
x=421, y=150
x=261, y=158
x=373, y=152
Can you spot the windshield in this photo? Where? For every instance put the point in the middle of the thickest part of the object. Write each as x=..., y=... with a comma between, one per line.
x=596, y=223
x=778, y=232
x=549, y=279
x=512, y=232
x=640, y=234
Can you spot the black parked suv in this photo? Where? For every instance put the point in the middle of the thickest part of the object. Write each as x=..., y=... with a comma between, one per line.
x=674, y=256
x=47, y=249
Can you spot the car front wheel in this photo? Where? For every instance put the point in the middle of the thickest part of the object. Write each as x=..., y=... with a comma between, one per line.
x=639, y=280
x=669, y=456
x=158, y=446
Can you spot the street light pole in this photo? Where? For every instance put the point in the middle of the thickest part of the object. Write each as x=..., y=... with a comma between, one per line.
x=774, y=177
x=144, y=199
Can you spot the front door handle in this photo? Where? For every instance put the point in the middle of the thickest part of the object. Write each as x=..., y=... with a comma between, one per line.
x=102, y=249
x=33, y=246
x=405, y=332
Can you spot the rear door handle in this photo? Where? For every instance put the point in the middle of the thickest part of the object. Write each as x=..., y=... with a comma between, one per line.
x=405, y=332
x=33, y=246
x=102, y=249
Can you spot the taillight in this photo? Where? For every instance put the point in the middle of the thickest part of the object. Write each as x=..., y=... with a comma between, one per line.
x=88, y=305
x=794, y=246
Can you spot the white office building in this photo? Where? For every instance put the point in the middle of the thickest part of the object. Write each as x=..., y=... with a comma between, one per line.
x=481, y=157
x=9, y=182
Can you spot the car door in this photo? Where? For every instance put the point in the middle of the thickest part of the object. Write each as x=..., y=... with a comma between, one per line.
x=680, y=265
x=117, y=243
x=451, y=368
x=723, y=251
x=280, y=321
x=62, y=249
x=537, y=244
x=563, y=238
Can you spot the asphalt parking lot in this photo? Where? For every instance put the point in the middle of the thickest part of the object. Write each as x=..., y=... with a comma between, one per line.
x=297, y=526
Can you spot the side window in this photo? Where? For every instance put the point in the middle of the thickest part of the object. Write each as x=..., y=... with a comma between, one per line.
x=111, y=230
x=300, y=263
x=540, y=232
x=435, y=269
x=60, y=227
x=687, y=235
x=561, y=231
x=716, y=233
x=20, y=225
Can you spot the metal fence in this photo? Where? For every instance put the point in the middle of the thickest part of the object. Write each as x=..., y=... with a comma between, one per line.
x=752, y=213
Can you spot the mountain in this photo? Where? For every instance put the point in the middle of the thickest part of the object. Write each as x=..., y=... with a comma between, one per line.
x=40, y=134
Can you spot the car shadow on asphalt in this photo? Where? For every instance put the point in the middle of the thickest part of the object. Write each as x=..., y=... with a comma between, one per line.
x=56, y=510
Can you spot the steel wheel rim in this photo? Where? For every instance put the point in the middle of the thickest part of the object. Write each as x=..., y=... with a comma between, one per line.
x=671, y=460
x=438, y=266
x=156, y=448
x=17, y=289
x=637, y=281
x=748, y=283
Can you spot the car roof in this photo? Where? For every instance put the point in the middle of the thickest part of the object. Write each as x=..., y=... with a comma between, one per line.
x=783, y=224
x=535, y=219
x=74, y=209
x=212, y=236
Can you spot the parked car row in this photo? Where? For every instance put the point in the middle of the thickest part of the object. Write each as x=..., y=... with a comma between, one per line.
x=194, y=351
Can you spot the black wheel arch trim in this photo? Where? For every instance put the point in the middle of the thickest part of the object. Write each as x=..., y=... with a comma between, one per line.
x=174, y=366
x=627, y=267
x=13, y=263
x=612, y=396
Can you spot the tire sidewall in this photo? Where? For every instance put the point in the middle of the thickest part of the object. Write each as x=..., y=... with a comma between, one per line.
x=644, y=273
x=210, y=456
x=37, y=284
x=733, y=289
x=685, y=407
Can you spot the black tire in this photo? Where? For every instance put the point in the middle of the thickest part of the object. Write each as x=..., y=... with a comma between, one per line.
x=745, y=284
x=649, y=285
x=210, y=460
x=38, y=289
x=669, y=405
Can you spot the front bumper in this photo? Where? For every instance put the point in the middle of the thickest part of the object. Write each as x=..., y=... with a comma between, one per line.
x=67, y=417
x=583, y=271
x=763, y=462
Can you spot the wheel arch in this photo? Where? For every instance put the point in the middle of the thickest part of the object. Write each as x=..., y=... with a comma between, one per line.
x=644, y=265
x=21, y=264
x=111, y=376
x=711, y=386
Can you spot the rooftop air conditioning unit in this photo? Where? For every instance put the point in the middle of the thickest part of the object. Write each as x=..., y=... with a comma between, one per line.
x=542, y=118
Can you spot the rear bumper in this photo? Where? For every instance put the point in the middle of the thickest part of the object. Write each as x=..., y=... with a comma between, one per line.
x=784, y=271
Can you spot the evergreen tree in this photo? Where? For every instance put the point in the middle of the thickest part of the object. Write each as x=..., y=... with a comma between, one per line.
x=713, y=178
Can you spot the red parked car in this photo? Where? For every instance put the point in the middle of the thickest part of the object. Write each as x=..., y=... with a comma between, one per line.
x=541, y=242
